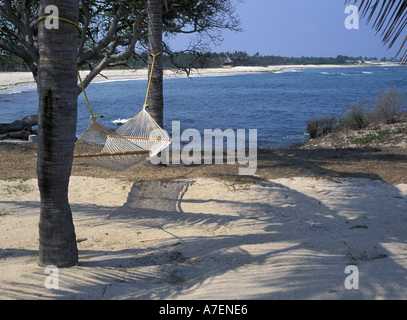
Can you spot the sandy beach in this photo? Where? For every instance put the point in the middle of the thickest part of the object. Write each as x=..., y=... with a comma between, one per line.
x=207, y=239
x=9, y=80
x=204, y=232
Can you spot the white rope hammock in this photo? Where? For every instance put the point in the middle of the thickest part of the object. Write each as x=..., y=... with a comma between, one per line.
x=139, y=138
x=145, y=133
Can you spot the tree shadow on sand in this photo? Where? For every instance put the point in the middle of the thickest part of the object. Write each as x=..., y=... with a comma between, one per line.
x=297, y=244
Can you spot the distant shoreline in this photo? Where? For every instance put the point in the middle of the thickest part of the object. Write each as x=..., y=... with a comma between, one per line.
x=10, y=80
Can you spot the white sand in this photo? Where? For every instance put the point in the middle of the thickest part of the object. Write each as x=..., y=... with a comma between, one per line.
x=12, y=79
x=208, y=239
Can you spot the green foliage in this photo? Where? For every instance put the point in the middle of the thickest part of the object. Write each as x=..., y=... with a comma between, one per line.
x=201, y=58
x=381, y=135
x=115, y=31
x=321, y=126
x=11, y=63
x=369, y=138
x=206, y=59
x=385, y=110
x=21, y=187
x=387, y=106
x=356, y=118
x=244, y=59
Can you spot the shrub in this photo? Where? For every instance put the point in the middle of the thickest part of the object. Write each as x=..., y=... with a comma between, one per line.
x=385, y=109
x=321, y=126
x=387, y=106
x=356, y=118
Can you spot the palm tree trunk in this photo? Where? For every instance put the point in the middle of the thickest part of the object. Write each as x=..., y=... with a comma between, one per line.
x=155, y=97
x=57, y=89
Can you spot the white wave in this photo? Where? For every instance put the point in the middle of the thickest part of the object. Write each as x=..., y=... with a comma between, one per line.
x=118, y=80
x=324, y=72
x=367, y=72
x=22, y=89
x=288, y=70
x=120, y=121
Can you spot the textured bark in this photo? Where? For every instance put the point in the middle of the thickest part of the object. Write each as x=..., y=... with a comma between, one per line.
x=57, y=83
x=155, y=98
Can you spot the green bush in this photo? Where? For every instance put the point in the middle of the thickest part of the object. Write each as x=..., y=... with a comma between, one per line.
x=321, y=126
x=387, y=106
x=356, y=118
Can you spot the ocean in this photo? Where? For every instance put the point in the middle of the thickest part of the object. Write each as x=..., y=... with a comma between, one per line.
x=277, y=104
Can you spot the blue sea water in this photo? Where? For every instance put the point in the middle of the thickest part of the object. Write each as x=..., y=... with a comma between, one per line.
x=278, y=105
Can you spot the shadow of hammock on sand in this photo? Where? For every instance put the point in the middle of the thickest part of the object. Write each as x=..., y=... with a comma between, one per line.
x=285, y=253
x=157, y=204
x=154, y=203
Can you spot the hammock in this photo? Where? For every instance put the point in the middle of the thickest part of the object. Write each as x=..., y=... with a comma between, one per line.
x=145, y=133
x=142, y=130
x=99, y=146
x=139, y=138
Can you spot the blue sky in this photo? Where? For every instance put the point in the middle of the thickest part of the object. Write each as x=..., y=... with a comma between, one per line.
x=300, y=28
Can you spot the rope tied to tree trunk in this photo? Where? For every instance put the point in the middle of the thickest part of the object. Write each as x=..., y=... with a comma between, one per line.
x=151, y=74
x=60, y=19
x=92, y=116
x=119, y=150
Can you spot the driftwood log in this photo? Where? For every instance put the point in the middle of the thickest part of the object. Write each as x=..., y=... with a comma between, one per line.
x=19, y=129
x=19, y=125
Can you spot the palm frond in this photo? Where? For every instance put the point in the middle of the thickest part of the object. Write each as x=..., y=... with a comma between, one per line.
x=389, y=19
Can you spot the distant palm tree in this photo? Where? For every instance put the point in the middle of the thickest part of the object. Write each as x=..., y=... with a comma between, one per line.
x=390, y=19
